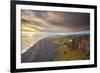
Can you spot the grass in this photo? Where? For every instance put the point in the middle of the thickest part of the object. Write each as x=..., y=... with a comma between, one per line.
x=65, y=52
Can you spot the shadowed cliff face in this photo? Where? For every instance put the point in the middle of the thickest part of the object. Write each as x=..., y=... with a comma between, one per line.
x=43, y=50
x=59, y=48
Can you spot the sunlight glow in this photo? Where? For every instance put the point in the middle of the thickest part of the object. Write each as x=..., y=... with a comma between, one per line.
x=30, y=27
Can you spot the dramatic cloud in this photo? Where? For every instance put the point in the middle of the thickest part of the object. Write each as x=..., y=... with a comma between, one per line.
x=56, y=16
x=51, y=21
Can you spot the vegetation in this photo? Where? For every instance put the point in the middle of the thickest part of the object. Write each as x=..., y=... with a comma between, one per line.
x=68, y=51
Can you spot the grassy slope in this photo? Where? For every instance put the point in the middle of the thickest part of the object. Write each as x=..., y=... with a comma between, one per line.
x=67, y=53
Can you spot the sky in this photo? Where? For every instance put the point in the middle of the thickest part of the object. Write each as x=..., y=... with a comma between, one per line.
x=37, y=25
x=52, y=21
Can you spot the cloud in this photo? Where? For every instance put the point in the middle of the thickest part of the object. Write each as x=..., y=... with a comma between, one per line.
x=57, y=21
x=56, y=16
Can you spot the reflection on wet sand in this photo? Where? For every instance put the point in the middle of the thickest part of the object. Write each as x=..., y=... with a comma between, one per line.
x=29, y=40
